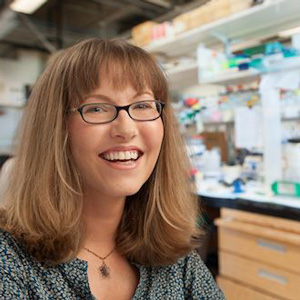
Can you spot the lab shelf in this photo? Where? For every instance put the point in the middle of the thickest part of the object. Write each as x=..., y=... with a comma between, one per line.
x=11, y=104
x=187, y=76
x=259, y=21
x=237, y=77
x=183, y=76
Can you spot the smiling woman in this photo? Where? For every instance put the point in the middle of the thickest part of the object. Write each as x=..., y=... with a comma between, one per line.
x=99, y=203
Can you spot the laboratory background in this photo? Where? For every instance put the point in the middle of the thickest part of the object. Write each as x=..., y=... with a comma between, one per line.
x=233, y=68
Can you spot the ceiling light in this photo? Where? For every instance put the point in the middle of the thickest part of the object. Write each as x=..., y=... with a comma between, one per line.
x=289, y=32
x=26, y=6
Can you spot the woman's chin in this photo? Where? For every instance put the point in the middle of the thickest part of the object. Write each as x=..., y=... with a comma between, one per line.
x=121, y=192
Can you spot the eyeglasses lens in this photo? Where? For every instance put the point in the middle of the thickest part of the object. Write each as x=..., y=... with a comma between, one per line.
x=98, y=113
x=144, y=111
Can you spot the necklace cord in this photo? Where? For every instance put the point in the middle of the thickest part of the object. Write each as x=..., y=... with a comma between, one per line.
x=95, y=254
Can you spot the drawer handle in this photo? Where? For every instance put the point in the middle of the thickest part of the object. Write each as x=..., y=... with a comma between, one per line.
x=272, y=276
x=272, y=246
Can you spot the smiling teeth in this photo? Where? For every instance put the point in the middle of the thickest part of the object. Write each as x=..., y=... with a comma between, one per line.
x=121, y=155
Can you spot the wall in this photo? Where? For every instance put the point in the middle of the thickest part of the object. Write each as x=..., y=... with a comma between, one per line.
x=14, y=76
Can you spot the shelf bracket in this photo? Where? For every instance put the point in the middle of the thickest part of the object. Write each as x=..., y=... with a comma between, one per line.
x=225, y=40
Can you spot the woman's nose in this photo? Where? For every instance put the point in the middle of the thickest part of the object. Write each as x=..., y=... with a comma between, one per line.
x=123, y=126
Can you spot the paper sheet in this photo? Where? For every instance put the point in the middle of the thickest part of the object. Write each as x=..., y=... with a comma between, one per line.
x=248, y=127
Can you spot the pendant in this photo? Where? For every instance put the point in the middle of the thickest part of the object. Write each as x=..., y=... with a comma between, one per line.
x=104, y=270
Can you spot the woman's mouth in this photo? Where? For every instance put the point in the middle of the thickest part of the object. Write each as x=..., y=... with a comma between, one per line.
x=121, y=157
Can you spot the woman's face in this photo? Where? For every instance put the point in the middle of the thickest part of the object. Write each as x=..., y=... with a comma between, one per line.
x=95, y=145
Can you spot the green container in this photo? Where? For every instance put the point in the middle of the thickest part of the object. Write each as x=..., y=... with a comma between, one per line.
x=287, y=188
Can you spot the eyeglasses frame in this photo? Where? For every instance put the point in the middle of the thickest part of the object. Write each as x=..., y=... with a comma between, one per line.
x=118, y=109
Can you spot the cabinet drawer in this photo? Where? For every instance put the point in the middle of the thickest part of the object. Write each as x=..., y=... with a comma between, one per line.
x=235, y=291
x=261, y=276
x=262, y=220
x=267, y=250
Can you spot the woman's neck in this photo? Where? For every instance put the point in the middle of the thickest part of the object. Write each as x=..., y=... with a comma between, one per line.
x=101, y=216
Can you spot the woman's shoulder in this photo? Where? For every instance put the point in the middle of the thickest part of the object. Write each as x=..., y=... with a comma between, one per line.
x=12, y=267
x=198, y=281
x=7, y=242
x=11, y=251
x=187, y=278
x=194, y=277
x=191, y=266
x=184, y=267
x=7, y=239
x=192, y=263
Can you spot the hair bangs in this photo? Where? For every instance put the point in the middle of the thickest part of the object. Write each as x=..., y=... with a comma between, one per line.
x=123, y=64
x=121, y=76
x=134, y=68
x=82, y=76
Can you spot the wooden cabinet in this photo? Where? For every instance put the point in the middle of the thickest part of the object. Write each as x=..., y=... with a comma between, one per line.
x=259, y=256
x=235, y=290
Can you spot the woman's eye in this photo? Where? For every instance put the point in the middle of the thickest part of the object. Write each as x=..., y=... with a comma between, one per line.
x=94, y=109
x=142, y=106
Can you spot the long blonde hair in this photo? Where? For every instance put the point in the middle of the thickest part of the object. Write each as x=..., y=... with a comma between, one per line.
x=44, y=198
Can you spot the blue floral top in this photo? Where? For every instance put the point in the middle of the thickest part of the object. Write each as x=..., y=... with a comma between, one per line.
x=23, y=277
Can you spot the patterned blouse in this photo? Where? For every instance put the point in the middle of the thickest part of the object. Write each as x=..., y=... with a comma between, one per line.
x=23, y=277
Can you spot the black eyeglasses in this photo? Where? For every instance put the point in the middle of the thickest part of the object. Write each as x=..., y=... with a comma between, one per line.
x=100, y=113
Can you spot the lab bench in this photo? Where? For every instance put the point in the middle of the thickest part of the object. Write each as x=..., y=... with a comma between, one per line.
x=258, y=245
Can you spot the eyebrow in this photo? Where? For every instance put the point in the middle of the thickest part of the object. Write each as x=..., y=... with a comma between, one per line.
x=106, y=98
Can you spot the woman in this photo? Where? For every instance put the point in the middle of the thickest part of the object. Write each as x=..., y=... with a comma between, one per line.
x=99, y=203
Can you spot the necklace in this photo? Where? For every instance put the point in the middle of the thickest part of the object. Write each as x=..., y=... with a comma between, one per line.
x=103, y=269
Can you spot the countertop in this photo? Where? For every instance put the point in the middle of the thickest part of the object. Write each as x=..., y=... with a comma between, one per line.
x=214, y=195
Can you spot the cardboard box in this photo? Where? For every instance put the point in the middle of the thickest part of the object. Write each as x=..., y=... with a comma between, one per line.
x=239, y=5
x=182, y=23
x=199, y=16
x=218, y=9
x=142, y=33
